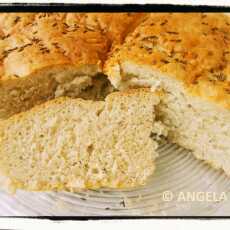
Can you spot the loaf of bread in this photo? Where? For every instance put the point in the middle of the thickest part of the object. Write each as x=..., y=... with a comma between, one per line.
x=70, y=144
x=46, y=55
x=187, y=56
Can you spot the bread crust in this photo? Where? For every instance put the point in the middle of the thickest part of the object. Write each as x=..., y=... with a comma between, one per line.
x=115, y=26
x=31, y=42
x=36, y=47
x=49, y=42
x=193, y=48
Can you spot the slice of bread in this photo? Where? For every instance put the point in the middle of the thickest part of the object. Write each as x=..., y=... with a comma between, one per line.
x=71, y=144
x=46, y=55
x=187, y=56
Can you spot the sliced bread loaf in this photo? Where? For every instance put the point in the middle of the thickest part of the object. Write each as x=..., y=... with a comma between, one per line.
x=70, y=144
x=187, y=56
x=46, y=58
x=46, y=55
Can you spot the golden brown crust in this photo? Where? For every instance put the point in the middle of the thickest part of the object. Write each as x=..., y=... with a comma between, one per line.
x=114, y=25
x=38, y=51
x=191, y=47
x=49, y=42
x=34, y=41
x=12, y=22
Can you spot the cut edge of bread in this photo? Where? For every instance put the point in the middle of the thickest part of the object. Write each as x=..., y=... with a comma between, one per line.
x=20, y=94
x=194, y=123
x=119, y=127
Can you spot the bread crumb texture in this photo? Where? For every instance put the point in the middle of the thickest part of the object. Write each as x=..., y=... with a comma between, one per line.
x=186, y=58
x=45, y=55
x=71, y=144
x=68, y=144
x=194, y=48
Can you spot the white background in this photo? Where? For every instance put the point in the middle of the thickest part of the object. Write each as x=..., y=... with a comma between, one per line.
x=177, y=224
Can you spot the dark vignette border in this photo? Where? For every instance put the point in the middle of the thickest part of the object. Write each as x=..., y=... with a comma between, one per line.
x=62, y=7
x=86, y=218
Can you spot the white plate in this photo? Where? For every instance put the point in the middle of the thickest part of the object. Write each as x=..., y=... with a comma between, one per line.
x=181, y=185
